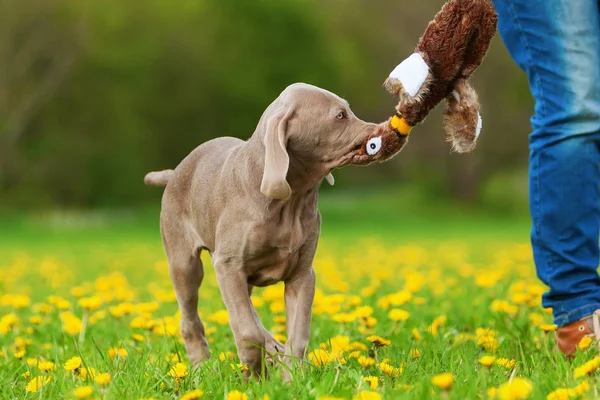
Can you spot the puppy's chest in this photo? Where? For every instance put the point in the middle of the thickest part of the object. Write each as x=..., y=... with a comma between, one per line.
x=273, y=255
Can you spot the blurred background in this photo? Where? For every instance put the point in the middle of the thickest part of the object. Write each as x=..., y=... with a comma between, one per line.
x=94, y=94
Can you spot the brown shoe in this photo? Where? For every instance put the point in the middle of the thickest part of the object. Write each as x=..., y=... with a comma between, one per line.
x=569, y=336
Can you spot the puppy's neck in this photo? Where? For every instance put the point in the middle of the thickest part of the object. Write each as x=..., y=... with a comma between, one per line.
x=304, y=177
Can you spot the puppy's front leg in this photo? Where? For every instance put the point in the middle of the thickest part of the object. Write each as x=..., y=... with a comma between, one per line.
x=247, y=329
x=299, y=296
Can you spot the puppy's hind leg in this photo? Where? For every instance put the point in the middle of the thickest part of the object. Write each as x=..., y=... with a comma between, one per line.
x=187, y=272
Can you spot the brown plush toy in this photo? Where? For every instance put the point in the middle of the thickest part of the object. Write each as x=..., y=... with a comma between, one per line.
x=451, y=48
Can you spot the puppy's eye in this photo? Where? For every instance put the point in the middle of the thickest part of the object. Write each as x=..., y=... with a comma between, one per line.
x=341, y=115
x=373, y=146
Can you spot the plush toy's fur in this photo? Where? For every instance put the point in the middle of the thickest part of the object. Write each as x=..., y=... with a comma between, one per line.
x=453, y=46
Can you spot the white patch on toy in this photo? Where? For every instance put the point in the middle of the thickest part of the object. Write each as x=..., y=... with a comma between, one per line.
x=330, y=179
x=479, y=124
x=411, y=73
x=373, y=146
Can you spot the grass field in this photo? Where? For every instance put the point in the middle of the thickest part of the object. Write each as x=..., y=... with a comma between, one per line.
x=87, y=310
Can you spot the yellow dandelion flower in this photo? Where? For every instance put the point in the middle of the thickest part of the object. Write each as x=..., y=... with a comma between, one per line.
x=37, y=383
x=443, y=381
x=46, y=366
x=178, y=371
x=138, y=338
x=236, y=395
x=277, y=307
x=517, y=389
x=373, y=381
x=73, y=364
x=19, y=354
x=366, y=362
x=414, y=353
x=389, y=369
x=416, y=334
x=588, y=367
x=35, y=320
x=487, y=361
x=90, y=303
x=548, y=327
x=561, y=394
x=26, y=374
x=506, y=363
x=344, y=317
x=582, y=388
x=492, y=392
x=319, y=357
x=221, y=317
x=83, y=392
x=85, y=373
x=378, y=341
x=397, y=314
x=119, y=352
x=229, y=354
x=367, y=395
x=363, y=311
x=71, y=324
x=102, y=379
x=584, y=343
x=280, y=337
x=193, y=395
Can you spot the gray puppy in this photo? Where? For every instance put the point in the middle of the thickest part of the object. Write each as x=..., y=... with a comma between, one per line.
x=253, y=205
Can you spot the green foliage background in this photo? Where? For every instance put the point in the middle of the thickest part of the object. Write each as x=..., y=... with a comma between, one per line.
x=95, y=94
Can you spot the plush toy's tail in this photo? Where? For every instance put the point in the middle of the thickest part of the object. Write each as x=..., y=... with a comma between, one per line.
x=462, y=121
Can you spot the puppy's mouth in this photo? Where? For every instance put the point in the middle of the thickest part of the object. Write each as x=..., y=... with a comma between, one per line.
x=381, y=145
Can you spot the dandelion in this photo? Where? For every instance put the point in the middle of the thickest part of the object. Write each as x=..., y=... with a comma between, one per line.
x=373, y=381
x=366, y=362
x=319, y=357
x=588, y=367
x=378, y=341
x=389, y=369
x=73, y=364
x=398, y=315
x=102, y=379
x=220, y=317
x=193, y=395
x=46, y=366
x=90, y=303
x=178, y=371
x=443, y=381
x=414, y=353
x=487, y=361
x=506, y=363
x=517, y=389
x=548, y=327
x=117, y=352
x=229, y=354
x=584, y=343
x=236, y=395
x=37, y=383
x=416, y=334
x=366, y=395
x=83, y=392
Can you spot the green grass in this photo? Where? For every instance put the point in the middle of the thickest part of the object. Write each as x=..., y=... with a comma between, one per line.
x=453, y=261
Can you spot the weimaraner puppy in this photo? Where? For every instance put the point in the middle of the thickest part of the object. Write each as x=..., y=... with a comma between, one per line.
x=253, y=206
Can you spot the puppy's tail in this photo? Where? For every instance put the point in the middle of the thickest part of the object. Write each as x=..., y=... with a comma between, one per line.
x=158, y=178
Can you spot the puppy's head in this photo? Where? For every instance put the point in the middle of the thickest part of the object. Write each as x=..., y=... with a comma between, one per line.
x=319, y=131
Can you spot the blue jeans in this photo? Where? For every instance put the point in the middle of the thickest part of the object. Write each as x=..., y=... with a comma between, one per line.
x=557, y=44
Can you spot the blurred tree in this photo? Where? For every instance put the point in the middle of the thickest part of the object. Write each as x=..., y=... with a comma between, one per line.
x=38, y=49
x=106, y=91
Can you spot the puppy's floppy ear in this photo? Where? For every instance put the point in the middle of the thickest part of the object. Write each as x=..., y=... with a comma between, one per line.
x=277, y=161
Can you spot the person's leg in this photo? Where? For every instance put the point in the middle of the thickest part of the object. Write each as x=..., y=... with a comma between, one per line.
x=557, y=43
